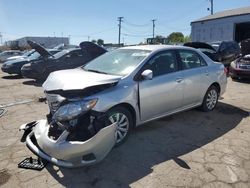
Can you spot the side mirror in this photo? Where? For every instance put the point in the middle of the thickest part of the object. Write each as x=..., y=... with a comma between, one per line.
x=147, y=74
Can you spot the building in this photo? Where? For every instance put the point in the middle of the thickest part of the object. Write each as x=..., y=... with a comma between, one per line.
x=48, y=42
x=222, y=26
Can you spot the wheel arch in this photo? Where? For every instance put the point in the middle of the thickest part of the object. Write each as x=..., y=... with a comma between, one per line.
x=217, y=85
x=130, y=108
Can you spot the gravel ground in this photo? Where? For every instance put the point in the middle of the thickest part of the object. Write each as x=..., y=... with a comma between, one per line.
x=189, y=149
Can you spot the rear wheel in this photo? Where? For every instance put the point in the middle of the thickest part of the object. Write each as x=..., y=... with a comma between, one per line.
x=123, y=118
x=210, y=99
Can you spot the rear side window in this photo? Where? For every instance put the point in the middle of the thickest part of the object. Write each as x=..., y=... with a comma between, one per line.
x=163, y=63
x=190, y=60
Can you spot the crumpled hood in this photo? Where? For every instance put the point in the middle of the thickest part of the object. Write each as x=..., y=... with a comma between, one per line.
x=73, y=79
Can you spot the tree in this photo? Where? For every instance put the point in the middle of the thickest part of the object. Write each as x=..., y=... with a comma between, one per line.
x=94, y=41
x=100, y=42
x=187, y=38
x=175, y=37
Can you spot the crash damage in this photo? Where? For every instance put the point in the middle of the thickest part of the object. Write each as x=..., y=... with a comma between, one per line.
x=73, y=134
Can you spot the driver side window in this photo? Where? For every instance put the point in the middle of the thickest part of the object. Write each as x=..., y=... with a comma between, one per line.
x=163, y=63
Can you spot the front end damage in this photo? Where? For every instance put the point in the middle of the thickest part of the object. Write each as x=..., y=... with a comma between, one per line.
x=74, y=134
x=65, y=153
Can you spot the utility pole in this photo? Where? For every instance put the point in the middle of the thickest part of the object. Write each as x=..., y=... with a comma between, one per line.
x=120, y=19
x=153, y=21
x=212, y=6
x=1, y=37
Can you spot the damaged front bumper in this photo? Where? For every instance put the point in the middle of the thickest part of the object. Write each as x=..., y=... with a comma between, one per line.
x=68, y=153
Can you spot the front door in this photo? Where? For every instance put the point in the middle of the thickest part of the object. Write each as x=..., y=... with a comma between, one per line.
x=164, y=93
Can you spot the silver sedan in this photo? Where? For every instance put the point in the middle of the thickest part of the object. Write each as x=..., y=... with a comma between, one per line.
x=95, y=107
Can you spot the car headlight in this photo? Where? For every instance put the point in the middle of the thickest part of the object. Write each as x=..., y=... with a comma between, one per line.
x=73, y=110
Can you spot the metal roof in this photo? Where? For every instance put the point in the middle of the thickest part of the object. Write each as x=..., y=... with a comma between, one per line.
x=224, y=14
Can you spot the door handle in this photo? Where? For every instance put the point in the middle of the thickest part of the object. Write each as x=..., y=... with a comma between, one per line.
x=179, y=80
x=207, y=73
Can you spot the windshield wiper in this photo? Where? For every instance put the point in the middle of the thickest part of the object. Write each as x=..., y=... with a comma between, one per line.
x=91, y=70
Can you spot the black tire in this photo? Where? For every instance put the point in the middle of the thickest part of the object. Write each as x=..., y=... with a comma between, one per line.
x=207, y=106
x=234, y=78
x=120, y=110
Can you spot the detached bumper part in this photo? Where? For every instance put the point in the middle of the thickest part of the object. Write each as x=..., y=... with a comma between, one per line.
x=70, y=153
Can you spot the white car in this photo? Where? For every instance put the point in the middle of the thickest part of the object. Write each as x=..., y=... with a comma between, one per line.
x=6, y=54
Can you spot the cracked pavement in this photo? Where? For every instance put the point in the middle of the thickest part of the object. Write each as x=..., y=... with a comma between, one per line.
x=189, y=149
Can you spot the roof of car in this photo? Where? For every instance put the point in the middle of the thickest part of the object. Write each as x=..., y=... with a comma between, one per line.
x=153, y=47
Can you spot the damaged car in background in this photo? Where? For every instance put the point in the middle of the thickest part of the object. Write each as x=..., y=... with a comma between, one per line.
x=14, y=66
x=95, y=107
x=66, y=59
x=240, y=68
x=224, y=51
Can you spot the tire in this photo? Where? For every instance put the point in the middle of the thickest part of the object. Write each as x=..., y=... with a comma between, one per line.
x=210, y=99
x=124, y=126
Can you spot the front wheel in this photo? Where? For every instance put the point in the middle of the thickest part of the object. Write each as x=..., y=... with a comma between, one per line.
x=123, y=118
x=210, y=99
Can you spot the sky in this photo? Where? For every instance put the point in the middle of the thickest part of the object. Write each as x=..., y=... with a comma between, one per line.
x=87, y=20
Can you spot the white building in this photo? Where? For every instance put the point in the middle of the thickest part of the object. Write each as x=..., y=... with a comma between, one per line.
x=222, y=26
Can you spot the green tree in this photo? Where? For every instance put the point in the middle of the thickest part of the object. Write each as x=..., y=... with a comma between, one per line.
x=175, y=37
x=94, y=41
x=100, y=42
x=187, y=38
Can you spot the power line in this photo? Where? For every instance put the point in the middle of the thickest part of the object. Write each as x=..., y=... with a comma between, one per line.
x=136, y=25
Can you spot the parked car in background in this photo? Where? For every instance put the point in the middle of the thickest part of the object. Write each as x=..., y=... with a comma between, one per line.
x=227, y=51
x=205, y=48
x=224, y=52
x=24, y=55
x=14, y=66
x=6, y=54
x=240, y=68
x=95, y=107
x=66, y=59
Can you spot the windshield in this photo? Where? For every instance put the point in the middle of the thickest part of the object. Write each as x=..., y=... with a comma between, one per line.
x=60, y=54
x=29, y=53
x=118, y=62
x=34, y=56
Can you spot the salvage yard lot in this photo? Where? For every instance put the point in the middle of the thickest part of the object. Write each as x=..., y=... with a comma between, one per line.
x=189, y=149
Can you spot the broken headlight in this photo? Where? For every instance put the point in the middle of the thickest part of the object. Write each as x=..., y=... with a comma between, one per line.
x=73, y=110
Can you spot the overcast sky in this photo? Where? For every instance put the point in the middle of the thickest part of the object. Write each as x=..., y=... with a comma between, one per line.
x=83, y=20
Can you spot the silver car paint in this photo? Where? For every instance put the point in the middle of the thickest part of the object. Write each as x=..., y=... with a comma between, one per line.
x=161, y=100
x=76, y=79
x=69, y=154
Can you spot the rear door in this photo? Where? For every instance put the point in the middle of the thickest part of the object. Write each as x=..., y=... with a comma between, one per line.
x=164, y=93
x=195, y=73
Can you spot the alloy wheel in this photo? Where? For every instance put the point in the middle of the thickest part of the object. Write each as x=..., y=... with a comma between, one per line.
x=211, y=99
x=122, y=125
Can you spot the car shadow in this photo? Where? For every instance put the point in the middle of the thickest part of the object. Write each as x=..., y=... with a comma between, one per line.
x=149, y=145
x=33, y=83
x=12, y=77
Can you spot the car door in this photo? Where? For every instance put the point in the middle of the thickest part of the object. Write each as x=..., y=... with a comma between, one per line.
x=164, y=93
x=194, y=71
